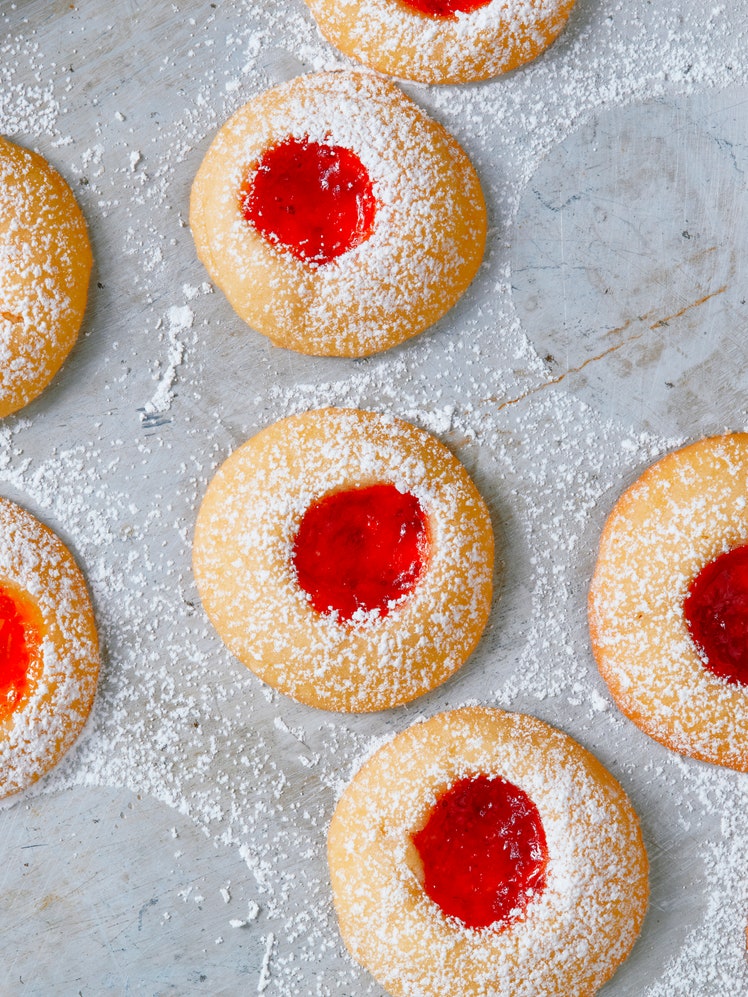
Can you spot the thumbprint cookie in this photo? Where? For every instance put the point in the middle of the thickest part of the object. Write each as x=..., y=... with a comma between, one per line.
x=45, y=264
x=49, y=656
x=346, y=558
x=338, y=219
x=486, y=854
x=441, y=41
x=668, y=604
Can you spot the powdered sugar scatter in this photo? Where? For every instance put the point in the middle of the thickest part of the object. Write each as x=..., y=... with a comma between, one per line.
x=165, y=382
x=179, y=320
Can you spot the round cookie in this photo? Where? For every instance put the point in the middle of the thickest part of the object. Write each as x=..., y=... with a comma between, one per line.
x=247, y=563
x=676, y=520
x=441, y=41
x=576, y=926
x=401, y=183
x=45, y=264
x=49, y=656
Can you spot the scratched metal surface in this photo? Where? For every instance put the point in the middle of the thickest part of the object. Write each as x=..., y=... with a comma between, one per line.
x=611, y=306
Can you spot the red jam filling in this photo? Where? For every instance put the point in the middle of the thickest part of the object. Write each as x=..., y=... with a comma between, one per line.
x=361, y=549
x=483, y=851
x=445, y=8
x=716, y=611
x=19, y=646
x=312, y=199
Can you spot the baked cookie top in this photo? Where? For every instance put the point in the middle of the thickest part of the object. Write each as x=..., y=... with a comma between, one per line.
x=256, y=574
x=442, y=41
x=562, y=932
x=45, y=264
x=49, y=655
x=683, y=514
x=352, y=147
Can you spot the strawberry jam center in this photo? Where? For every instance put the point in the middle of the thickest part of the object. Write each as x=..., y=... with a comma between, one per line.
x=445, y=8
x=361, y=549
x=314, y=200
x=19, y=645
x=483, y=851
x=716, y=612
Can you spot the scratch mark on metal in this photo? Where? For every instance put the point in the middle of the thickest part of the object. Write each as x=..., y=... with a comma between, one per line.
x=694, y=304
x=571, y=370
x=659, y=324
x=151, y=903
x=49, y=901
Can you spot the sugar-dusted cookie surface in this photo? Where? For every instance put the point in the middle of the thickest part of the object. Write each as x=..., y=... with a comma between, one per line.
x=565, y=934
x=45, y=264
x=322, y=489
x=49, y=655
x=687, y=515
x=442, y=41
x=336, y=216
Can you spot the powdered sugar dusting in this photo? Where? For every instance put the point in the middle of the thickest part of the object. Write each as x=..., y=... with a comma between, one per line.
x=394, y=38
x=179, y=320
x=177, y=718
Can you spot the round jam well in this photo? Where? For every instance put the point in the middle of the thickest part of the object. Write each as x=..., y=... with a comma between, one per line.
x=312, y=199
x=445, y=8
x=361, y=550
x=483, y=851
x=716, y=613
x=19, y=647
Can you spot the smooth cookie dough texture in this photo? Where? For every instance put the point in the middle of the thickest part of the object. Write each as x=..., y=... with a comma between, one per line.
x=246, y=551
x=677, y=518
x=442, y=41
x=420, y=219
x=49, y=653
x=45, y=264
x=573, y=933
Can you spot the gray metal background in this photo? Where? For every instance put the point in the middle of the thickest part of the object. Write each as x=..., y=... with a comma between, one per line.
x=606, y=325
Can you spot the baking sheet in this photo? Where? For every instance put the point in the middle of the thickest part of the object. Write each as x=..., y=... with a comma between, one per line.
x=180, y=848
